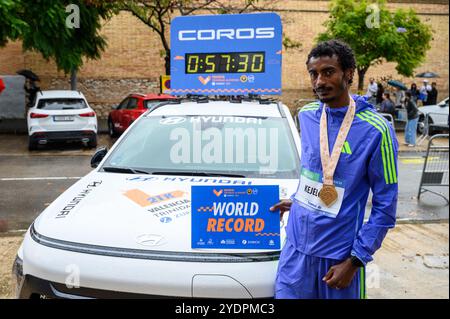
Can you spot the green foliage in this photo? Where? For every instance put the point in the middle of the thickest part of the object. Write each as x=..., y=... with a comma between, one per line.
x=397, y=36
x=11, y=25
x=41, y=25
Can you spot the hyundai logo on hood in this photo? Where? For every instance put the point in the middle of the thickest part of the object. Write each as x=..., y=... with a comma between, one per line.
x=150, y=240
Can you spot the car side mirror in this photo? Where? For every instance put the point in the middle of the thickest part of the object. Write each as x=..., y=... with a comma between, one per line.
x=98, y=156
x=115, y=107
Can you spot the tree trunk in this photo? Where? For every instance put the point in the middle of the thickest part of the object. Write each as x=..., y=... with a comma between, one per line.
x=73, y=80
x=167, y=62
x=361, y=75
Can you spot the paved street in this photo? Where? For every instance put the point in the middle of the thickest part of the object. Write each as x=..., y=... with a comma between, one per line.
x=30, y=181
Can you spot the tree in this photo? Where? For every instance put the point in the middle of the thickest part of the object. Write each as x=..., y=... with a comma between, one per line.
x=63, y=30
x=157, y=14
x=376, y=34
x=11, y=25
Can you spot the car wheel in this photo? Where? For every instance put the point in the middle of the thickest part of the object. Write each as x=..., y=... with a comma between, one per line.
x=92, y=142
x=421, y=125
x=111, y=129
x=32, y=145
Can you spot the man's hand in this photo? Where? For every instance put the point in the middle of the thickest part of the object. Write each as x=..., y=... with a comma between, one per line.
x=283, y=206
x=341, y=275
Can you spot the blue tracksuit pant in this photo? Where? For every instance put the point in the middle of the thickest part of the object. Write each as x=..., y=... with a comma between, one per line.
x=300, y=277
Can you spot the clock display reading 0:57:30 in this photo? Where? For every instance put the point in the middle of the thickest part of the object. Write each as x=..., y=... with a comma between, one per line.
x=225, y=62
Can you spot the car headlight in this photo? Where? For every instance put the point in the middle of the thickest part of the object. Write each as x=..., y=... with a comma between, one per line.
x=17, y=275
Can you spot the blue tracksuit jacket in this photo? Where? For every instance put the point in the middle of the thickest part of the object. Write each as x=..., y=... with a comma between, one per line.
x=368, y=161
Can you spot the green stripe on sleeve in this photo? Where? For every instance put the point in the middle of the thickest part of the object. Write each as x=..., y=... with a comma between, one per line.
x=383, y=143
x=386, y=144
x=390, y=143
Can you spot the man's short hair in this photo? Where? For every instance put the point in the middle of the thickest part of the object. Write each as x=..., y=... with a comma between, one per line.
x=339, y=48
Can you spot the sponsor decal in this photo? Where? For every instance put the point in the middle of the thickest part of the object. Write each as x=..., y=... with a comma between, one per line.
x=165, y=220
x=203, y=80
x=235, y=217
x=177, y=208
x=220, y=181
x=226, y=119
x=169, y=204
x=77, y=199
x=143, y=199
x=231, y=34
x=172, y=120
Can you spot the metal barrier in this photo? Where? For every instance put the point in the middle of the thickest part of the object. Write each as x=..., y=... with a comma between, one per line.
x=435, y=168
x=390, y=118
x=429, y=126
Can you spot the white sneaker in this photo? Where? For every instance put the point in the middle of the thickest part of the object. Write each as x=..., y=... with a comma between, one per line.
x=411, y=145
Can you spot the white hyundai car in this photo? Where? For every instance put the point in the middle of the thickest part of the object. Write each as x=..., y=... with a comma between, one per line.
x=124, y=230
x=61, y=116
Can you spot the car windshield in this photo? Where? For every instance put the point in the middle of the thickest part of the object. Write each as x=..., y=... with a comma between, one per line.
x=61, y=104
x=151, y=103
x=253, y=147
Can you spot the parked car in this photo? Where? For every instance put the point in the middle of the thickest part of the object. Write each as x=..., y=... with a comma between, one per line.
x=61, y=116
x=438, y=117
x=130, y=109
x=124, y=230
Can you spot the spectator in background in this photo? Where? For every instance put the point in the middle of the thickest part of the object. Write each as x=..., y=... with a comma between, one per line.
x=432, y=95
x=399, y=97
x=424, y=89
x=411, y=124
x=380, y=92
x=2, y=85
x=414, y=92
x=31, y=90
x=372, y=90
x=387, y=106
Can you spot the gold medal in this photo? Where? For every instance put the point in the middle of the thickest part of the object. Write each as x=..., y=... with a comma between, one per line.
x=328, y=194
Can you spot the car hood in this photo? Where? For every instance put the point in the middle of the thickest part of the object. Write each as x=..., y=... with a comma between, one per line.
x=129, y=211
x=434, y=109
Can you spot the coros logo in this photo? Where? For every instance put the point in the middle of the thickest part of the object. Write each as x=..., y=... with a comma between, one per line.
x=172, y=120
x=231, y=34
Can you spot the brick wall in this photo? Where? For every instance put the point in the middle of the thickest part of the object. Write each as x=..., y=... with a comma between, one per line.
x=134, y=53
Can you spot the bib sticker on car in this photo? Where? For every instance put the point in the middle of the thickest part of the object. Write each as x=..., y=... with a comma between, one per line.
x=235, y=217
x=165, y=206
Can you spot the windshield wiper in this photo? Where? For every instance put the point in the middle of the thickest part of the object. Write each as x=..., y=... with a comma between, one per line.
x=126, y=170
x=199, y=174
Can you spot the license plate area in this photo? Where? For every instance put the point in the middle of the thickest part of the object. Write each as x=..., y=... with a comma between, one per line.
x=63, y=118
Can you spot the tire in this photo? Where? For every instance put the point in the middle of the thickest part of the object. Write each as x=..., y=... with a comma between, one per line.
x=111, y=130
x=92, y=142
x=421, y=125
x=32, y=145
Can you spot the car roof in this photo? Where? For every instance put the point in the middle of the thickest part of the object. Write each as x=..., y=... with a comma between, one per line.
x=244, y=108
x=59, y=94
x=152, y=96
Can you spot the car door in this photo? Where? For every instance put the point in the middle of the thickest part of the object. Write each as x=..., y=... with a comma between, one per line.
x=117, y=115
x=129, y=112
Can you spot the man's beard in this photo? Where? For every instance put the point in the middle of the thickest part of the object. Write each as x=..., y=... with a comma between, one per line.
x=342, y=89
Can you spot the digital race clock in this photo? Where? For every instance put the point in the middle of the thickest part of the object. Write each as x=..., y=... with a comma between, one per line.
x=226, y=54
x=226, y=62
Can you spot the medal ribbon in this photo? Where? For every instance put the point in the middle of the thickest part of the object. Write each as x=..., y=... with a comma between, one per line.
x=329, y=163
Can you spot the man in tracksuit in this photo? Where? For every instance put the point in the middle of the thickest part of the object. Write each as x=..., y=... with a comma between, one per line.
x=328, y=246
